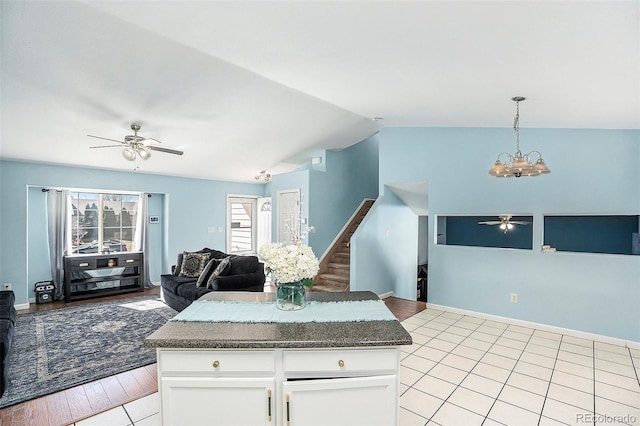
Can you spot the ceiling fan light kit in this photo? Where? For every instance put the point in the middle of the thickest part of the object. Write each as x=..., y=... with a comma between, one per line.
x=519, y=164
x=136, y=146
x=505, y=222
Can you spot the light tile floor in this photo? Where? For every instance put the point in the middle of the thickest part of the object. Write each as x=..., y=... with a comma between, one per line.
x=464, y=370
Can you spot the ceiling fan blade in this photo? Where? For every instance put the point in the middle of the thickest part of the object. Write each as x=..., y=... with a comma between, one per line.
x=106, y=139
x=490, y=222
x=167, y=150
x=519, y=222
x=105, y=146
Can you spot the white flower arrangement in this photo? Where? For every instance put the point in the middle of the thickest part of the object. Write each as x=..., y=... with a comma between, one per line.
x=290, y=263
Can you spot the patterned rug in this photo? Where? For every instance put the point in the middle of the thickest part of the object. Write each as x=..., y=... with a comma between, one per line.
x=61, y=348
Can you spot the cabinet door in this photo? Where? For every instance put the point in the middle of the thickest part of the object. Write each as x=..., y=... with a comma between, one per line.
x=353, y=401
x=217, y=401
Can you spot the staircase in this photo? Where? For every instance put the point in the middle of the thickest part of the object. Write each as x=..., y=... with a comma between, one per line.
x=334, y=268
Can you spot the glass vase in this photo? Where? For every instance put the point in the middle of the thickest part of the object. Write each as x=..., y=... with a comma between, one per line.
x=290, y=296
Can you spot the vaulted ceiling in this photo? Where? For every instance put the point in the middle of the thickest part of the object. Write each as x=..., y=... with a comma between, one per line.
x=243, y=86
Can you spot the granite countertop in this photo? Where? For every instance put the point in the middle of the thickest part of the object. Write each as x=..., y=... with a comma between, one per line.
x=280, y=335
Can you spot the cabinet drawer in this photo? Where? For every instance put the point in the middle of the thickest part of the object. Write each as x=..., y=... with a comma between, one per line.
x=80, y=263
x=129, y=260
x=216, y=362
x=340, y=361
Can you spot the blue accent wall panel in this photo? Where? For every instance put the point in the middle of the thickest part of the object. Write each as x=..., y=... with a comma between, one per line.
x=466, y=231
x=596, y=293
x=591, y=234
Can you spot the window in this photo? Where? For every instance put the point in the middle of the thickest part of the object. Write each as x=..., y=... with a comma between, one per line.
x=103, y=222
x=241, y=237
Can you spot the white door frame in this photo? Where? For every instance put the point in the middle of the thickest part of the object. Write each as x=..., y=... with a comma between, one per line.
x=254, y=220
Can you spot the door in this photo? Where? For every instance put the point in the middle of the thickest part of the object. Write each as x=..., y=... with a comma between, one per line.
x=241, y=225
x=264, y=221
x=221, y=401
x=366, y=401
x=288, y=215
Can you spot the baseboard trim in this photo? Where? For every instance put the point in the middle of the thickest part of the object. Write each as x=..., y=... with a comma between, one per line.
x=539, y=326
x=21, y=306
x=385, y=295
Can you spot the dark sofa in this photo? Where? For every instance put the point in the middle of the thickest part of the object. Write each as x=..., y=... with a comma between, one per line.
x=245, y=274
x=7, y=323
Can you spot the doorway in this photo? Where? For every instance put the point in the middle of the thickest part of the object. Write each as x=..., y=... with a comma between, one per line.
x=241, y=225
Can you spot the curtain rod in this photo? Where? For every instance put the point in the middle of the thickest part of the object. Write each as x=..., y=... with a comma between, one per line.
x=60, y=190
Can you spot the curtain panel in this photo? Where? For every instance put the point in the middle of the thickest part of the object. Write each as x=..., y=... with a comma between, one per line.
x=58, y=231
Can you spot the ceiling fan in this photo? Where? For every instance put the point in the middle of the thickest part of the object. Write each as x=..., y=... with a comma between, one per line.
x=136, y=145
x=505, y=222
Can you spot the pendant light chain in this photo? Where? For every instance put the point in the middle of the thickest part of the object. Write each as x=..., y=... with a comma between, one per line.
x=516, y=125
x=518, y=165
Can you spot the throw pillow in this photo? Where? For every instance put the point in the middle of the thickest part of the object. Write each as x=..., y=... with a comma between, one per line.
x=223, y=268
x=178, y=266
x=206, y=272
x=193, y=264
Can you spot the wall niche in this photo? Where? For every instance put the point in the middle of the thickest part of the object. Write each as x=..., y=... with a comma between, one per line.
x=610, y=234
x=497, y=231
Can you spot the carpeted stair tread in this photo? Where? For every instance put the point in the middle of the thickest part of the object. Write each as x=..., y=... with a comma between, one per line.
x=335, y=277
x=330, y=286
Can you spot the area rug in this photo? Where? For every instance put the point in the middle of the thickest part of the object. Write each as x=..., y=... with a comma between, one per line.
x=61, y=348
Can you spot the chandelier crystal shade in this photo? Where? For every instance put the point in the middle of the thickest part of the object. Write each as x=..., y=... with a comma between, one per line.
x=519, y=164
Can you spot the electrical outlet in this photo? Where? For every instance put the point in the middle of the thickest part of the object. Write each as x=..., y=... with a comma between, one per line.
x=7, y=286
x=514, y=297
x=211, y=229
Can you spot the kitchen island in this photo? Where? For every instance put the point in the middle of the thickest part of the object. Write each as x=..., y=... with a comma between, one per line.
x=280, y=373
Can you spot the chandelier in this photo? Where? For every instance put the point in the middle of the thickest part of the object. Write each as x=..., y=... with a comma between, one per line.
x=263, y=176
x=519, y=164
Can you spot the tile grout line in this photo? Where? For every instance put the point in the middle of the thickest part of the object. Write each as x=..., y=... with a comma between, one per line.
x=594, y=382
x=633, y=365
x=509, y=376
x=469, y=372
x=438, y=362
x=127, y=413
x=553, y=370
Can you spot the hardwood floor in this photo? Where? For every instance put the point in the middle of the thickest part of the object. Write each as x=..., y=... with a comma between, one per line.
x=80, y=402
x=402, y=308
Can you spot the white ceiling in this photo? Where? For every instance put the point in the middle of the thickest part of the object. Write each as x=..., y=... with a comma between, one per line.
x=243, y=86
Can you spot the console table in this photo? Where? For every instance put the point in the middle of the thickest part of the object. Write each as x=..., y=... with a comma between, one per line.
x=256, y=373
x=104, y=274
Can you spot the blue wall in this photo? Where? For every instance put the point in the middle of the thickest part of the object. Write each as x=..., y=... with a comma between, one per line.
x=337, y=189
x=596, y=293
x=384, y=249
x=330, y=191
x=190, y=206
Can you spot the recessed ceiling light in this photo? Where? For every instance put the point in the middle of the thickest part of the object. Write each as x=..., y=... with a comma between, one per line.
x=377, y=118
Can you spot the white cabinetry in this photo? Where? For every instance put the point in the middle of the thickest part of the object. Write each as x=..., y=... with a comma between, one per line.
x=355, y=386
x=217, y=401
x=366, y=401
